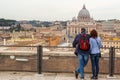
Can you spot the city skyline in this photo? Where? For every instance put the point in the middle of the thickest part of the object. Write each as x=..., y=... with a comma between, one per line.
x=58, y=9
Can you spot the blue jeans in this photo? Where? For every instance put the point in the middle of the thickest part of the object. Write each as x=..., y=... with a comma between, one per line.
x=95, y=64
x=83, y=60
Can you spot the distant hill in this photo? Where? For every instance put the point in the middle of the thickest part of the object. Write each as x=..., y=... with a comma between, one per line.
x=7, y=22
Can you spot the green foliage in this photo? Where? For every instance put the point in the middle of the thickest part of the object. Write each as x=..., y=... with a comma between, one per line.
x=7, y=22
x=17, y=28
x=40, y=24
x=63, y=23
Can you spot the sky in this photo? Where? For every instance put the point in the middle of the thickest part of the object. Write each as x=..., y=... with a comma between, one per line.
x=52, y=10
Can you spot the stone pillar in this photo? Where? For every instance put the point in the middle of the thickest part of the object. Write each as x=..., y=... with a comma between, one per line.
x=88, y=30
x=74, y=30
x=77, y=30
x=4, y=41
x=67, y=31
x=70, y=30
x=32, y=37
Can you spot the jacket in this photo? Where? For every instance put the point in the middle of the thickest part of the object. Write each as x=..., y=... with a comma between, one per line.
x=95, y=46
x=75, y=44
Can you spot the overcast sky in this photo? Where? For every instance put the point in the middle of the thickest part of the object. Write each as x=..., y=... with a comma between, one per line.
x=51, y=10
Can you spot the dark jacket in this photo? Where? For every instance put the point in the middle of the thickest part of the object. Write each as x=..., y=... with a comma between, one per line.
x=75, y=44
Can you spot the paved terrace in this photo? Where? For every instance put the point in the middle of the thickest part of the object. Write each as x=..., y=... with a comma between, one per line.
x=47, y=76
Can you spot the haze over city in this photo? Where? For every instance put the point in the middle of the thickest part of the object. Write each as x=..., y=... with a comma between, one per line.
x=37, y=36
x=58, y=9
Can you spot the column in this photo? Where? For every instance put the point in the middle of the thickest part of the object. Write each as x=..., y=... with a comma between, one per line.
x=74, y=31
x=4, y=41
x=70, y=30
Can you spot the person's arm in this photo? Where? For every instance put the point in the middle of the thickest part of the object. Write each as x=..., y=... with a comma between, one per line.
x=90, y=43
x=75, y=42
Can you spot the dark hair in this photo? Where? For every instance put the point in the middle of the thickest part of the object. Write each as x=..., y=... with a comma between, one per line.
x=94, y=33
x=83, y=30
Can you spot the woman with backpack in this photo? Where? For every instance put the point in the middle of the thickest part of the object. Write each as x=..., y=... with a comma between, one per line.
x=95, y=45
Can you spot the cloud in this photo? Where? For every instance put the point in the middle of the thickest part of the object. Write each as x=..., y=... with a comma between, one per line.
x=58, y=9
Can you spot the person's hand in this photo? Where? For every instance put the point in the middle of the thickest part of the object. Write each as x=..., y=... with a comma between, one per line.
x=100, y=55
x=75, y=53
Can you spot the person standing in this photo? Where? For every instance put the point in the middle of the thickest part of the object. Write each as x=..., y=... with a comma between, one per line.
x=82, y=51
x=95, y=45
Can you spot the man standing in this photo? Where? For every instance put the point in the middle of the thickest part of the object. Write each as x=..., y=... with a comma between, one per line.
x=81, y=43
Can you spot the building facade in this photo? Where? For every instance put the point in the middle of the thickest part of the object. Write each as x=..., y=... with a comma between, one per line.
x=83, y=20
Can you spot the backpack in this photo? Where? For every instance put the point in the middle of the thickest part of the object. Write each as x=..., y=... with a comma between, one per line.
x=83, y=43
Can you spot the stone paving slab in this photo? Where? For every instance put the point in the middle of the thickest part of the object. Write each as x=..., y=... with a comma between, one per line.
x=47, y=76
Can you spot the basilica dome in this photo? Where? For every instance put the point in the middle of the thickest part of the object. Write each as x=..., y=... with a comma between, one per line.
x=84, y=15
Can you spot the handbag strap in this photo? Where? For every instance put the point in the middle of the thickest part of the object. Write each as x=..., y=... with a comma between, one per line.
x=97, y=43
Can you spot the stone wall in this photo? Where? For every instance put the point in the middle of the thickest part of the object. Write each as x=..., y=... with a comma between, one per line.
x=51, y=63
x=70, y=63
x=18, y=63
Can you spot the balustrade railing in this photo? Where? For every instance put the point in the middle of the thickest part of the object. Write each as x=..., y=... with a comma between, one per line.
x=40, y=55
